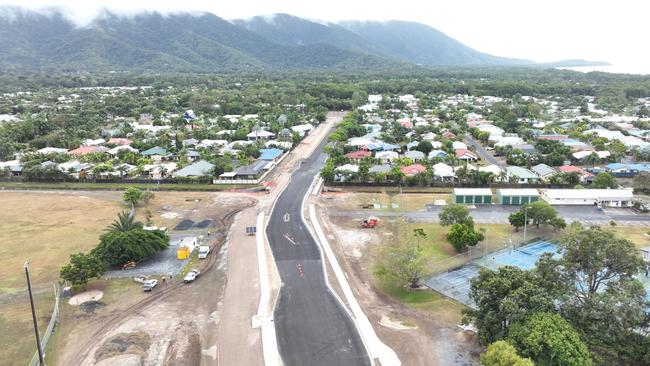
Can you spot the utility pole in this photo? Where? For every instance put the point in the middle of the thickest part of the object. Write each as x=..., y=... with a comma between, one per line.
x=31, y=302
x=525, y=221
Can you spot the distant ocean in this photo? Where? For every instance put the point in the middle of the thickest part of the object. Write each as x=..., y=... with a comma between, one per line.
x=614, y=69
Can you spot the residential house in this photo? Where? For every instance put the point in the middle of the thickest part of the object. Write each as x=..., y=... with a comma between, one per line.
x=581, y=155
x=303, y=129
x=458, y=145
x=84, y=150
x=467, y=155
x=358, y=155
x=437, y=154
x=386, y=156
x=270, y=154
x=91, y=142
x=584, y=175
x=543, y=171
x=411, y=170
x=521, y=175
x=14, y=166
x=260, y=134
x=444, y=172
x=198, y=169
x=51, y=150
x=380, y=169
x=156, y=153
x=190, y=142
x=75, y=168
x=116, y=150
x=193, y=155
x=117, y=141
x=415, y=155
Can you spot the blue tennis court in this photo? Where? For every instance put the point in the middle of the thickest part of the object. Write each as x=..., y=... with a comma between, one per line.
x=524, y=257
x=455, y=284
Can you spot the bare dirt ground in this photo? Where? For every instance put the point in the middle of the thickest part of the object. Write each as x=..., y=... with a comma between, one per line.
x=418, y=337
x=176, y=323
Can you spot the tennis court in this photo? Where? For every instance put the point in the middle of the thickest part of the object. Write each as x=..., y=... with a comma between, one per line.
x=524, y=257
x=455, y=284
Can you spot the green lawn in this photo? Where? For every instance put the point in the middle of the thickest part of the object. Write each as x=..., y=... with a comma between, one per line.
x=427, y=301
x=122, y=186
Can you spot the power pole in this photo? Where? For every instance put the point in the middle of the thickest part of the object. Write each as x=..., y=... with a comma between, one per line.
x=31, y=302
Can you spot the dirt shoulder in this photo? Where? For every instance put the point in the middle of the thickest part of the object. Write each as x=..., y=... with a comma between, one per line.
x=420, y=333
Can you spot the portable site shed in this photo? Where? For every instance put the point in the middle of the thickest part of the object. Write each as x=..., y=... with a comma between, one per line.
x=475, y=196
x=516, y=196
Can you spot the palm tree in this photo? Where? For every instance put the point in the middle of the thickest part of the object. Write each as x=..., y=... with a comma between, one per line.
x=124, y=222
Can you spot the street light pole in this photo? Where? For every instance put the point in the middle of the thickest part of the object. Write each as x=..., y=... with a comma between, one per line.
x=525, y=221
x=31, y=302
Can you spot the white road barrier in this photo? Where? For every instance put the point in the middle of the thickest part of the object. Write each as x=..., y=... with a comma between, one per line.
x=378, y=350
x=264, y=317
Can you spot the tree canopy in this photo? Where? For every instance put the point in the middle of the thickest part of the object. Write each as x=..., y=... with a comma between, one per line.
x=455, y=214
x=81, y=268
x=502, y=353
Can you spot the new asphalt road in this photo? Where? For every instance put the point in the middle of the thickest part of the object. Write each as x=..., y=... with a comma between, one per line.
x=311, y=325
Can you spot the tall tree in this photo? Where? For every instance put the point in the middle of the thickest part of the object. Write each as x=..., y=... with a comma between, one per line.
x=81, y=268
x=502, y=353
x=594, y=282
x=604, y=180
x=124, y=222
x=455, y=214
x=460, y=236
x=549, y=340
x=132, y=195
x=504, y=297
x=403, y=264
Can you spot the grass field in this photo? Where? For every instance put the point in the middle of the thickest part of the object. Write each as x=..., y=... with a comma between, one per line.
x=427, y=301
x=410, y=202
x=44, y=228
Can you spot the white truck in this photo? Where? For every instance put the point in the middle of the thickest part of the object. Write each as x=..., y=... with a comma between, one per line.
x=204, y=250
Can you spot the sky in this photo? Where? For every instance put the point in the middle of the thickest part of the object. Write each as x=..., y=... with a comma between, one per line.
x=541, y=30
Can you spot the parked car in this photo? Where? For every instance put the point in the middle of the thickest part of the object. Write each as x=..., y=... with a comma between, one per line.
x=149, y=285
x=204, y=250
x=191, y=275
x=141, y=278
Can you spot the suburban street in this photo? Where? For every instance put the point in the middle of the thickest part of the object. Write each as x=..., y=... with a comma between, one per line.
x=480, y=150
x=312, y=327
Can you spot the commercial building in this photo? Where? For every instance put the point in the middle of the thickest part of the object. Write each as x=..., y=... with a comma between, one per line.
x=589, y=197
x=475, y=196
x=516, y=196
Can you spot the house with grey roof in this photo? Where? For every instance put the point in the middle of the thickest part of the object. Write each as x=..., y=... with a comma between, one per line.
x=380, y=169
x=414, y=155
x=543, y=171
x=521, y=175
x=198, y=169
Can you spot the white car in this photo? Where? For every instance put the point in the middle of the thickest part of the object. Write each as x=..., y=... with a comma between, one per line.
x=191, y=275
x=204, y=250
x=149, y=285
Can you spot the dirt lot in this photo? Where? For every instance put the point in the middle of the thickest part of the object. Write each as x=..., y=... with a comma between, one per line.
x=420, y=326
x=176, y=323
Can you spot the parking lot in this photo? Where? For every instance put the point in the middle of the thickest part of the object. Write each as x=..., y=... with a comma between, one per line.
x=163, y=263
x=498, y=214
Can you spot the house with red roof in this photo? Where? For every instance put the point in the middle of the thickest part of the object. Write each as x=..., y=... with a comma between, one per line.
x=84, y=150
x=358, y=155
x=464, y=154
x=584, y=175
x=448, y=135
x=414, y=169
x=119, y=141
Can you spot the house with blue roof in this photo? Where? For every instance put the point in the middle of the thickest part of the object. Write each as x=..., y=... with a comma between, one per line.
x=437, y=154
x=270, y=154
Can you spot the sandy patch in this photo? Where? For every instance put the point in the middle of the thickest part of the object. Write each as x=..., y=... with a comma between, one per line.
x=121, y=360
x=353, y=241
x=80, y=298
x=170, y=215
x=394, y=324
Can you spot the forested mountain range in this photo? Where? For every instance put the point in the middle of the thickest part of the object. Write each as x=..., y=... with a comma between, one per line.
x=204, y=42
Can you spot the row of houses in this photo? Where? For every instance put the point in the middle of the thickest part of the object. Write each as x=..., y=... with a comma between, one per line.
x=522, y=196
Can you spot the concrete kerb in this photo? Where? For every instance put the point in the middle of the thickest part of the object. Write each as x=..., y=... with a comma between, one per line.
x=264, y=319
x=376, y=348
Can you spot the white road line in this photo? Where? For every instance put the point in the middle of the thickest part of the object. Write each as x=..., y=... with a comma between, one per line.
x=286, y=236
x=377, y=349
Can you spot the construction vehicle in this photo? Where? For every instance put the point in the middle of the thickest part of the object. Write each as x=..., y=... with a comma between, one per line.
x=370, y=222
